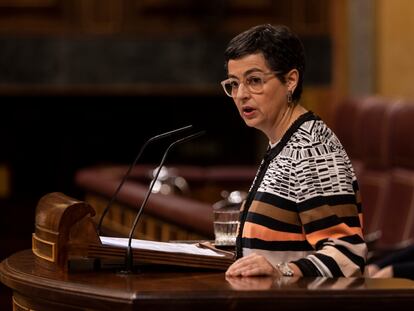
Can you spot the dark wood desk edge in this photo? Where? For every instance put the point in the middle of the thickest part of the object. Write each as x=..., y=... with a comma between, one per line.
x=40, y=287
x=81, y=295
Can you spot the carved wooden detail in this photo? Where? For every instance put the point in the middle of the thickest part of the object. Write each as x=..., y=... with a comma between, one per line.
x=61, y=223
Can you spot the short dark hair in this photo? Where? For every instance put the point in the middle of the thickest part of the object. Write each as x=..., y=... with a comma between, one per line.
x=281, y=48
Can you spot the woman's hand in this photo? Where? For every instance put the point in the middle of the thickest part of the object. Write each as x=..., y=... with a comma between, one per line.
x=370, y=270
x=386, y=272
x=252, y=265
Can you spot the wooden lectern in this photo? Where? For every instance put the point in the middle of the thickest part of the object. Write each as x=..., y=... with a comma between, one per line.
x=42, y=279
x=65, y=235
x=63, y=230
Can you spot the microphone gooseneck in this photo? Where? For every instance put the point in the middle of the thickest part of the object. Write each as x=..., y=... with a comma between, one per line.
x=129, y=257
x=152, y=139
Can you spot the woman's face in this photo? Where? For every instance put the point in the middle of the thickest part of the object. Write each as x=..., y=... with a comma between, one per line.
x=260, y=110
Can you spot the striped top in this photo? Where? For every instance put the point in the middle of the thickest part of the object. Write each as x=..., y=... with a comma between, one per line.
x=304, y=205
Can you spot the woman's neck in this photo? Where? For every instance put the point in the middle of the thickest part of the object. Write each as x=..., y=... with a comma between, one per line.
x=288, y=117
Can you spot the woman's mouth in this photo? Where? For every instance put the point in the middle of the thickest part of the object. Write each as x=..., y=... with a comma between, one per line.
x=248, y=112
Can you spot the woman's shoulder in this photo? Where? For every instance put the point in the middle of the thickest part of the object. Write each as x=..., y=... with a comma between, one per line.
x=315, y=135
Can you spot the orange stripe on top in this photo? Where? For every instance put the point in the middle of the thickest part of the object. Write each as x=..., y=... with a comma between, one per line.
x=255, y=231
x=334, y=232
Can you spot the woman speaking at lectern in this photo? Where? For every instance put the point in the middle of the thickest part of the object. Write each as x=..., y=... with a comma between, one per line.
x=302, y=216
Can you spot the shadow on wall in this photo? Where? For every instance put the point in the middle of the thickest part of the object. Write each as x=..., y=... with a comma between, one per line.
x=48, y=141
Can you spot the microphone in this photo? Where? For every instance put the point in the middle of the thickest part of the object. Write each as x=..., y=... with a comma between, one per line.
x=154, y=138
x=129, y=257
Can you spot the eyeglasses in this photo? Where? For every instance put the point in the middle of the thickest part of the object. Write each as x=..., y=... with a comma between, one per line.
x=254, y=83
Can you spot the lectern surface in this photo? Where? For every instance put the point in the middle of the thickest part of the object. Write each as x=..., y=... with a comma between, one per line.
x=169, y=288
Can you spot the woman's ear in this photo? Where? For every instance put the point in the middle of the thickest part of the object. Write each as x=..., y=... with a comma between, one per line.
x=292, y=78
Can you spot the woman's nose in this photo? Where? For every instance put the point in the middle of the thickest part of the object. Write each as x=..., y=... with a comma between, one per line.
x=242, y=91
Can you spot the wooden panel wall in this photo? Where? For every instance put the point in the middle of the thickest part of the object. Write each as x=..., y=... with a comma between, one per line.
x=395, y=48
x=392, y=48
x=176, y=25
x=132, y=50
x=159, y=17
